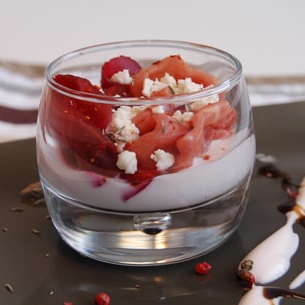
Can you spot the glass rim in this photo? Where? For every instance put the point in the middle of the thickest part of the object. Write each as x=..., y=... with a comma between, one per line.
x=179, y=98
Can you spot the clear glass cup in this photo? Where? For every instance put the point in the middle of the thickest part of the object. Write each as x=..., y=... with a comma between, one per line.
x=180, y=190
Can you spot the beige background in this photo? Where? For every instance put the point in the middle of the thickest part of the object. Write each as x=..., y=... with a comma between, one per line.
x=267, y=36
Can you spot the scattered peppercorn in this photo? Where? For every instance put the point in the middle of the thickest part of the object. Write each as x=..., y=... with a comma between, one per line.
x=244, y=274
x=102, y=299
x=203, y=268
x=247, y=278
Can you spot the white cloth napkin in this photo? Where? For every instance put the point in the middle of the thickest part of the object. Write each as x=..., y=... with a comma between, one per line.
x=21, y=85
x=20, y=90
x=276, y=90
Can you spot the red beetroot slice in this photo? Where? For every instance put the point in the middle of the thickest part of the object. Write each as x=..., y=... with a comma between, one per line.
x=78, y=125
x=117, y=90
x=84, y=145
x=116, y=65
x=77, y=83
x=98, y=115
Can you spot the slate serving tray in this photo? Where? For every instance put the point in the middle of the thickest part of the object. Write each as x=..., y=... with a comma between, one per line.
x=41, y=269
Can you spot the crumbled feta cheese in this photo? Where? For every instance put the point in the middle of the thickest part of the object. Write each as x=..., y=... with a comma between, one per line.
x=127, y=161
x=122, y=77
x=196, y=105
x=183, y=117
x=163, y=159
x=179, y=86
x=121, y=124
x=187, y=86
x=169, y=80
x=137, y=109
x=151, y=86
x=158, y=109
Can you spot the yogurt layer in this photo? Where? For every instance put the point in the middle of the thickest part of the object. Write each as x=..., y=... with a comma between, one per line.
x=207, y=179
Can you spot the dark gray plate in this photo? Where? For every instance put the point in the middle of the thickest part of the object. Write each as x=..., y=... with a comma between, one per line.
x=42, y=270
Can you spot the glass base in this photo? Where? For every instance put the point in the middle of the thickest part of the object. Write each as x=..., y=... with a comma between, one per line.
x=146, y=239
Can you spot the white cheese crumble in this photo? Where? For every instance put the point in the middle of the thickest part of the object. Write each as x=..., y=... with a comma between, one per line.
x=187, y=86
x=158, y=109
x=151, y=86
x=179, y=86
x=168, y=80
x=121, y=124
x=122, y=77
x=127, y=161
x=183, y=117
x=196, y=105
x=163, y=159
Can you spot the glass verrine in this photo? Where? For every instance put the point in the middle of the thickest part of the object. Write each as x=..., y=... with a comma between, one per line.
x=145, y=174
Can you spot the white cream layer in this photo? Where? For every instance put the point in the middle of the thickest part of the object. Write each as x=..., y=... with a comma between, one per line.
x=204, y=181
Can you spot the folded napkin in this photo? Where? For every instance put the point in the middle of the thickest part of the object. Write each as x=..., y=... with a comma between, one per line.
x=20, y=90
x=21, y=85
x=276, y=90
